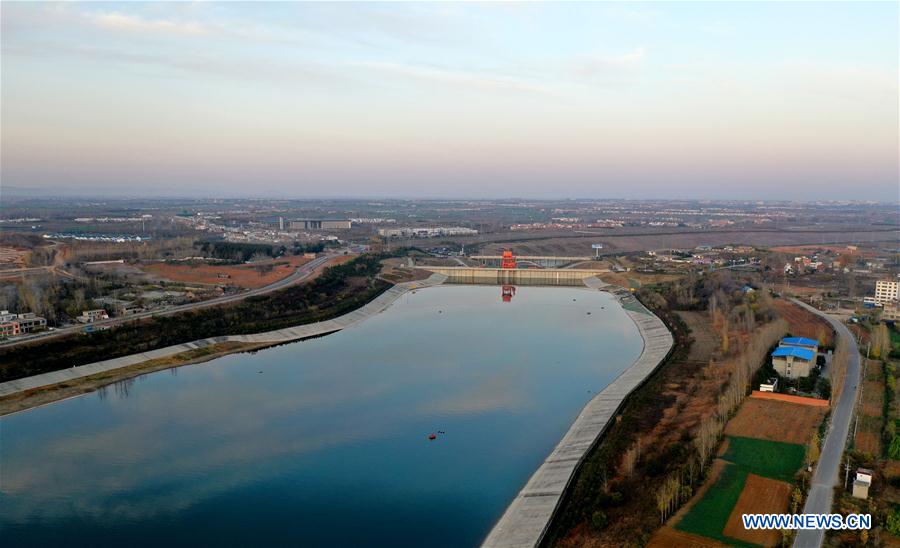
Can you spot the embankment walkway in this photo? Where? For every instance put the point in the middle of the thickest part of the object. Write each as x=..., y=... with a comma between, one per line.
x=289, y=334
x=527, y=518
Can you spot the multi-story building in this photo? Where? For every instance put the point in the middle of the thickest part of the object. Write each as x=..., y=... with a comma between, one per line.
x=90, y=316
x=426, y=232
x=795, y=357
x=9, y=329
x=29, y=322
x=18, y=324
x=891, y=312
x=886, y=291
x=320, y=224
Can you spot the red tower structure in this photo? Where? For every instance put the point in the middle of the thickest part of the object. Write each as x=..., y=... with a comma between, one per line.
x=508, y=261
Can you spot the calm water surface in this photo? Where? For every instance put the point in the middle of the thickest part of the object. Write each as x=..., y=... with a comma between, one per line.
x=323, y=442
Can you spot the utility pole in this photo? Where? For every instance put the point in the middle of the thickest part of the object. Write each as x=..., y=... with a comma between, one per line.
x=847, y=473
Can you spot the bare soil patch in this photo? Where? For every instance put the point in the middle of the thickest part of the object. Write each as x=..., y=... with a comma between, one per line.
x=13, y=257
x=801, y=400
x=243, y=275
x=397, y=271
x=868, y=442
x=776, y=421
x=667, y=537
x=759, y=496
x=873, y=394
x=868, y=435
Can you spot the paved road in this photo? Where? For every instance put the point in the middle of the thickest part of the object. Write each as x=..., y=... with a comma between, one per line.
x=303, y=272
x=828, y=469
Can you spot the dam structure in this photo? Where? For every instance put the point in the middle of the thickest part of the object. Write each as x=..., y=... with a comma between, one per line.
x=514, y=276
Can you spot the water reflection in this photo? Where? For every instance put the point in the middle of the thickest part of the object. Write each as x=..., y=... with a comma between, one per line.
x=507, y=292
x=304, y=439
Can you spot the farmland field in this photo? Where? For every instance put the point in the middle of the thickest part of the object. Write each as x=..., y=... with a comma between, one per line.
x=760, y=496
x=755, y=477
x=772, y=459
x=764, y=419
x=804, y=323
x=868, y=433
x=668, y=537
x=710, y=514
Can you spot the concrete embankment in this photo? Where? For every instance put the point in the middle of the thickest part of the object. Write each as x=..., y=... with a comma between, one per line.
x=289, y=334
x=528, y=516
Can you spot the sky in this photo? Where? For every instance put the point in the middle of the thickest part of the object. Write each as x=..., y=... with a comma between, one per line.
x=739, y=100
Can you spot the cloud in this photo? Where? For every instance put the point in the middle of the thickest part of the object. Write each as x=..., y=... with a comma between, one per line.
x=634, y=15
x=462, y=78
x=609, y=65
x=133, y=23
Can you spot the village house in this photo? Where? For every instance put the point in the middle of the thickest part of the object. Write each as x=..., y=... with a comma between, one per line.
x=795, y=357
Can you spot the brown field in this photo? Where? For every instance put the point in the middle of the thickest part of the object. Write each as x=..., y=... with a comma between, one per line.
x=765, y=419
x=244, y=275
x=635, y=279
x=12, y=257
x=867, y=442
x=759, y=496
x=868, y=437
x=804, y=323
x=667, y=537
x=802, y=400
x=706, y=342
x=835, y=249
x=873, y=392
x=631, y=239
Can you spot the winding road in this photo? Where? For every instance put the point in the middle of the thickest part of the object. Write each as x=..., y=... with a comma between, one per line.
x=303, y=272
x=821, y=491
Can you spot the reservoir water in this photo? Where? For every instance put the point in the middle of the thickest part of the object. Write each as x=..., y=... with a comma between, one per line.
x=323, y=442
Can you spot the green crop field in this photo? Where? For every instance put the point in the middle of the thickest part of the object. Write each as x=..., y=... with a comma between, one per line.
x=710, y=514
x=771, y=459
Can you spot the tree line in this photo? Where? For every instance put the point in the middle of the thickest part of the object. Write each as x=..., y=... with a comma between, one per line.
x=339, y=289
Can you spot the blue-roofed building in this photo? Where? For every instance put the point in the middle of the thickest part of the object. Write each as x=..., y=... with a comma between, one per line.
x=795, y=357
x=802, y=342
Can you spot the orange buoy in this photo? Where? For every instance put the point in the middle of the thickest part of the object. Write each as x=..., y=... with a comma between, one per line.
x=432, y=436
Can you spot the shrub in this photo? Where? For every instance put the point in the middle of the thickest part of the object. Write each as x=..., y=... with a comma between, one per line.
x=893, y=522
x=894, y=449
x=599, y=520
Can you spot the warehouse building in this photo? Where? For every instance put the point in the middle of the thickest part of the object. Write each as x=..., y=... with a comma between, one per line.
x=320, y=224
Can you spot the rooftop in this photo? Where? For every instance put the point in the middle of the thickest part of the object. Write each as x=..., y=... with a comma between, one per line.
x=802, y=353
x=800, y=341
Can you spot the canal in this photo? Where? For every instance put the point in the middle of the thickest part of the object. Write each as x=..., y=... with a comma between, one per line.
x=323, y=442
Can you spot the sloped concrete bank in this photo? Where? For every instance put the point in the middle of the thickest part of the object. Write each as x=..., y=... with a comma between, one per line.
x=289, y=334
x=528, y=517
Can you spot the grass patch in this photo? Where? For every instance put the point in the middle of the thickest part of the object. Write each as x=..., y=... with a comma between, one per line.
x=771, y=459
x=709, y=515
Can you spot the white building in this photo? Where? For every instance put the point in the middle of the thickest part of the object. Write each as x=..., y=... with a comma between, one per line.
x=886, y=291
x=90, y=316
x=862, y=483
x=426, y=232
